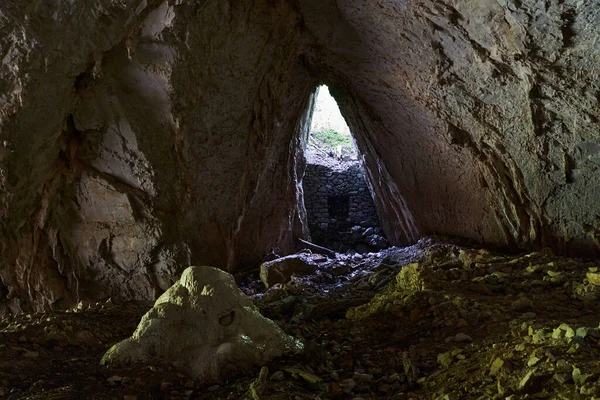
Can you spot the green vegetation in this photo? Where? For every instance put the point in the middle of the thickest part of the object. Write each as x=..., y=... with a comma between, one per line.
x=330, y=139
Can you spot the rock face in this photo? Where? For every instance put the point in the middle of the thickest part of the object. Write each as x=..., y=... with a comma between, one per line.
x=206, y=326
x=144, y=137
x=141, y=136
x=482, y=121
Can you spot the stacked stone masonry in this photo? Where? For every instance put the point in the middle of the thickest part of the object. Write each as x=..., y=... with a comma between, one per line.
x=340, y=210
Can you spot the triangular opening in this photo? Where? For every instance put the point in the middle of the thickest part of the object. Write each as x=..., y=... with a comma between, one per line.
x=330, y=139
x=340, y=210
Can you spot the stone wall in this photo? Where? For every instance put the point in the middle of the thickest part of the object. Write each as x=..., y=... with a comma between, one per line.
x=340, y=210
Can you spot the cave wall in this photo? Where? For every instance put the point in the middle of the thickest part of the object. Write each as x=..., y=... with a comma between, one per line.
x=140, y=136
x=476, y=119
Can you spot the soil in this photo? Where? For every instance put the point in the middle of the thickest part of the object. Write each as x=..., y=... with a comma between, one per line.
x=318, y=153
x=431, y=321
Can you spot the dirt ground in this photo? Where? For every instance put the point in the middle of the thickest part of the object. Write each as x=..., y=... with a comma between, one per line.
x=431, y=321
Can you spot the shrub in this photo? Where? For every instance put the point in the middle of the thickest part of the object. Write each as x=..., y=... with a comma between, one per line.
x=330, y=139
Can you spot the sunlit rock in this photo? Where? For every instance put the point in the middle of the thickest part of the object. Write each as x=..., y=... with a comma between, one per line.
x=206, y=327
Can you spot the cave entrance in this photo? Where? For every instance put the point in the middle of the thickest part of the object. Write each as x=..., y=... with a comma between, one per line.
x=340, y=210
x=330, y=136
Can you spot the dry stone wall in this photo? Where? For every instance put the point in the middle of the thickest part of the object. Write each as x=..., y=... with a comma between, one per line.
x=340, y=210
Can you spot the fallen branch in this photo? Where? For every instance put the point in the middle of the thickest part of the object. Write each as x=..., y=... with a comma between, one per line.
x=317, y=249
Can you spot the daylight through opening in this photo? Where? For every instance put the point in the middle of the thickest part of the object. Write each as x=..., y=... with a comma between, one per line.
x=340, y=210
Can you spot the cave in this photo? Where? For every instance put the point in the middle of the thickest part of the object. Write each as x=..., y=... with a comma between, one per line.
x=142, y=137
x=340, y=212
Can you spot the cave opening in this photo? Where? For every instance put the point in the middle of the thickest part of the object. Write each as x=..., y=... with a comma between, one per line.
x=341, y=214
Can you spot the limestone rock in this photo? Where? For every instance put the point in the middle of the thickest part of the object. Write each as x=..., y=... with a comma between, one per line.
x=593, y=278
x=205, y=326
x=282, y=269
x=147, y=135
x=114, y=175
x=496, y=366
x=414, y=277
x=445, y=359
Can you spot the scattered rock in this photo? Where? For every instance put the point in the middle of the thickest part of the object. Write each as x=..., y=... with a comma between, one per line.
x=497, y=365
x=525, y=381
x=348, y=385
x=303, y=373
x=114, y=379
x=461, y=337
x=593, y=278
x=562, y=378
x=514, y=350
x=581, y=333
x=278, y=376
x=445, y=359
x=452, y=396
x=521, y=304
x=31, y=354
x=259, y=385
x=533, y=360
x=410, y=368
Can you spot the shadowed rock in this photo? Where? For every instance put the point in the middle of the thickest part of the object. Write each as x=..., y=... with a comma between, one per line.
x=282, y=269
x=206, y=327
x=151, y=134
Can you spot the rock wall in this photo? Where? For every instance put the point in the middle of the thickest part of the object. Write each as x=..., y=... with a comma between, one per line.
x=141, y=136
x=476, y=119
x=340, y=211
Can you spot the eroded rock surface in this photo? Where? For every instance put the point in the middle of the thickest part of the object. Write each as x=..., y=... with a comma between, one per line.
x=139, y=137
x=476, y=119
x=282, y=269
x=205, y=326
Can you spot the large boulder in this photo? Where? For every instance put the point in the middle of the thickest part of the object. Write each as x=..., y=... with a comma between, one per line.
x=206, y=327
x=282, y=269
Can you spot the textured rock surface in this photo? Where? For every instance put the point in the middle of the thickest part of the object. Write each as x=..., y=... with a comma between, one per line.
x=141, y=136
x=282, y=269
x=476, y=119
x=340, y=211
x=206, y=326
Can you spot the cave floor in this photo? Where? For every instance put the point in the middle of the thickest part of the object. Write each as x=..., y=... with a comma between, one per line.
x=432, y=321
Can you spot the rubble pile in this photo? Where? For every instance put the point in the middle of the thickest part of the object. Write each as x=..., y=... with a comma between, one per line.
x=433, y=321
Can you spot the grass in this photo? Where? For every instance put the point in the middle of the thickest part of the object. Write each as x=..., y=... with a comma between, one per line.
x=330, y=139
